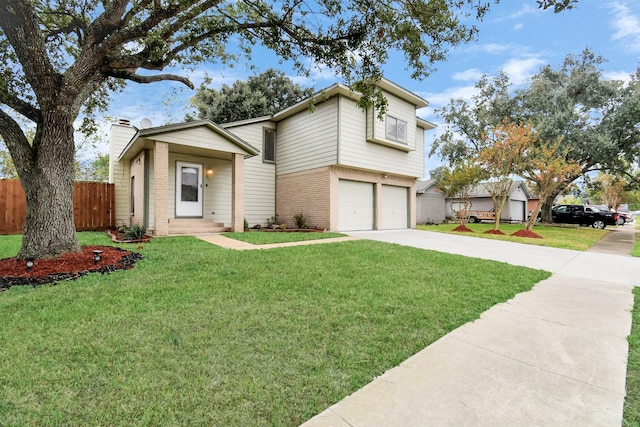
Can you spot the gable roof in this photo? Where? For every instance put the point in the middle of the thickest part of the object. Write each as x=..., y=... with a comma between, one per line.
x=480, y=190
x=341, y=89
x=137, y=142
x=423, y=186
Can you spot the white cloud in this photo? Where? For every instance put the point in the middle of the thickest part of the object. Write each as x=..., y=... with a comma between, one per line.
x=317, y=73
x=526, y=10
x=493, y=48
x=518, y=26
x=442, y=98
x=617, y=75
x=472, y=74
x=520, y=69
x=626, y=26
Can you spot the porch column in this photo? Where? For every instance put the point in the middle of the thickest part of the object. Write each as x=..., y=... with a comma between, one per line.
x=237, y=193
x=412, y=205
x=161, y=188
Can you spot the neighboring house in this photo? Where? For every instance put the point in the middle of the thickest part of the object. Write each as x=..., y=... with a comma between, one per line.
x=515, y=208
x=342, y=167
x=532, y=203
x=430, y=203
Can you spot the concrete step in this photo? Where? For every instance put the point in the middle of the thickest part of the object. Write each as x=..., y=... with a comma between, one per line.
x=195, y=225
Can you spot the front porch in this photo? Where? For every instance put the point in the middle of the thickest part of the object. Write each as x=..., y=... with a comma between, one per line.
x=186, y=179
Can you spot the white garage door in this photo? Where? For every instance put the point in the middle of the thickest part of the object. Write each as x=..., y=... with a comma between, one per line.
x=355, y=209
x=394, y=207
x=517, y=210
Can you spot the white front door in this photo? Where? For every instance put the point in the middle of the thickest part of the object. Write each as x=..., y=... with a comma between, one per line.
x=188, y=189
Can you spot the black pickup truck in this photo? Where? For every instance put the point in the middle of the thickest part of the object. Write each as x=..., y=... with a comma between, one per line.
x=583, y=215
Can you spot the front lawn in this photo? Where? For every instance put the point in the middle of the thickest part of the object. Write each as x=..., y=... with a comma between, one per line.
x=632, y=400
x=267, y=237
x=200, y=335
x=579, y=239
x=636, y=245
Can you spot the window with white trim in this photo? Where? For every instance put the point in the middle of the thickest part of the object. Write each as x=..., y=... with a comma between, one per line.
x=396, y=129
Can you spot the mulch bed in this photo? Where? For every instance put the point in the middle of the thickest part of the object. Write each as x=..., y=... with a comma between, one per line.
x=498, y=232
x=117, y=237
x=463, y=229
x=66, y=267
x=526, y=233
x=290, y=230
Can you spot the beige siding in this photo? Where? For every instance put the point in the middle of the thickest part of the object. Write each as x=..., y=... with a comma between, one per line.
x=260, y=177
x=217, y=191
x=119, y=171
x=400, y=109
x=356, y=151
x=308, y=140
x=200, y=137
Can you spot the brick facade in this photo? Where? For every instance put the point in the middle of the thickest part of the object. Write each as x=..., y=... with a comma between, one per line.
x=161, y=188
x=315, y=194
x=307, y=192
x=237, y=193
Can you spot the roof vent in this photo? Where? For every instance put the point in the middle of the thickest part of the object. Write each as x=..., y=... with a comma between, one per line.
x=124, y=122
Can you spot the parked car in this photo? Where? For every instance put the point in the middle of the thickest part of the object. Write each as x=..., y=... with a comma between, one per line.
x=624, y=217
x=479, y=216
x=583, y=215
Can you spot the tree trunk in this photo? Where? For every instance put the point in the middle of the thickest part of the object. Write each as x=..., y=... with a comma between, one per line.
x=531, y=222
x=546, y=207
x=49, y=229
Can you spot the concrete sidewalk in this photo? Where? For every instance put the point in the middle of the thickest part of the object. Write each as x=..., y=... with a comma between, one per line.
x=239, y=245
x=553, y=356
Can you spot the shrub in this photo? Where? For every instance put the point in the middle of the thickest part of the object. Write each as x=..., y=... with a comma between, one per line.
x=136, y=232
x=301, y=220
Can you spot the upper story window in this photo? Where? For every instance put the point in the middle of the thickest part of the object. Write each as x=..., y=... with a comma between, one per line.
x=396, y=129
x=269, y=146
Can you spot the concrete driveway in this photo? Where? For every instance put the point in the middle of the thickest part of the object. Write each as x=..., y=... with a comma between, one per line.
x=553, y=356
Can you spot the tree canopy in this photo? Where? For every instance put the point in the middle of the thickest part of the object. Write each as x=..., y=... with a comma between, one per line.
x=260, y=95
x=596, y=120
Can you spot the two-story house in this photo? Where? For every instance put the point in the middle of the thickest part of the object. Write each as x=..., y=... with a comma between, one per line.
x=342, y=167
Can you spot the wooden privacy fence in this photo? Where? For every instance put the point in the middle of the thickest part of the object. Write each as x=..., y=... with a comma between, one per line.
x=93, y=206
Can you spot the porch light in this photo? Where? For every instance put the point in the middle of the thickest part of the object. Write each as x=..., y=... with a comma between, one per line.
x=30, y=264
x=209, y=173
x=97, y=256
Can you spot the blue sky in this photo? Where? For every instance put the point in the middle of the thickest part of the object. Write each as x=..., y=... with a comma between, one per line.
x=515, y=37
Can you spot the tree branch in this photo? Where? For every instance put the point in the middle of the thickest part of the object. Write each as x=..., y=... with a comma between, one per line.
x=16, y=142
x=21, y=27
x=132, y=76
x=22, y=107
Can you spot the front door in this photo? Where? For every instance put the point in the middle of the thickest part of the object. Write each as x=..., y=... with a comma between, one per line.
x=188, y=189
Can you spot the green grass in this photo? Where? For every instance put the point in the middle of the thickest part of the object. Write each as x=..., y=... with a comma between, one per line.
x=579, y=239
x=632, y=400
x=266, y=237
x=200, y=335
x=636, y=245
